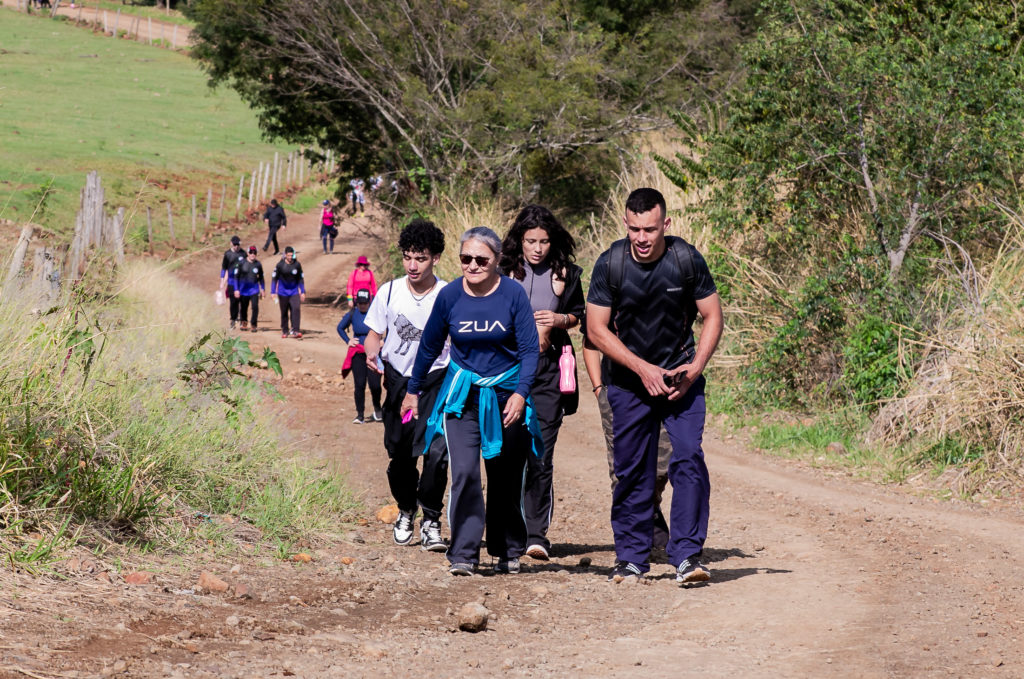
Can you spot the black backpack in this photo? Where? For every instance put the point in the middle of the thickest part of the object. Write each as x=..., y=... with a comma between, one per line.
x=681, y=252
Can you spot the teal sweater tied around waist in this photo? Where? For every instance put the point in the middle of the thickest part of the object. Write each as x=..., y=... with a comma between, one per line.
x=452, y=399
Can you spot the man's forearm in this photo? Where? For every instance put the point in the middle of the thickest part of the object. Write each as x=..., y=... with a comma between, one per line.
x=611, y=346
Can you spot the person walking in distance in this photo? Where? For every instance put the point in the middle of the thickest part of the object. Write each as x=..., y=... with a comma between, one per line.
x=275, y=219
x=396, y=320
x=358, y=187
x=645, y=293
x=251, y=287
x=538, y=253
x=355, y=359
x=328, y=231
x=232, y=259
x=483, y=407
x=289, y=289
x=360, y=278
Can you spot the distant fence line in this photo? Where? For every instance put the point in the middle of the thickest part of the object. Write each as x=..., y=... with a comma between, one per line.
x=111, y=24
x=98, y=233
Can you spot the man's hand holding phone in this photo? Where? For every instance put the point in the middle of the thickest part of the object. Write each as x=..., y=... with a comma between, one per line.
x=678, y=382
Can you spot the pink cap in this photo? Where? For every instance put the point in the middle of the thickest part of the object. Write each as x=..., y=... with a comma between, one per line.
x=363, y=260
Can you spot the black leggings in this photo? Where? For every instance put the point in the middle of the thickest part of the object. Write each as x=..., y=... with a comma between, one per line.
x=362, y=375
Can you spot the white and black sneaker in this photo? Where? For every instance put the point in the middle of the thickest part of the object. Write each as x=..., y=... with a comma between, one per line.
x=403, y=528
x=430, y=537
x=461, y=569
x=624, y=570
x=692, y=571
x=507, y=566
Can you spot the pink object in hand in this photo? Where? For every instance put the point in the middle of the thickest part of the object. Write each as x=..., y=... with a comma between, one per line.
x=407, y=418
x=567, y=371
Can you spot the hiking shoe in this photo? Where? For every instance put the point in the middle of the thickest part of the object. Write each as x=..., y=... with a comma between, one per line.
x=232, y=325
x=403, y=528
x=430, y=536
x=253, y=328
x=624, y=570
x=285, y=335
x=538, y=552
x=691, y=571
x=509, y=566
x=359, y=420
x=297, y=335
x=378, y=416
x=461, y=569
x=245, y=325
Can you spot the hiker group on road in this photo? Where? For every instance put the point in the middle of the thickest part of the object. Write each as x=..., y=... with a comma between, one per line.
x=483, y=368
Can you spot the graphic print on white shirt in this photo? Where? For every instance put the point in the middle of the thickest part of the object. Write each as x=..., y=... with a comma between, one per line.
x=402, y=319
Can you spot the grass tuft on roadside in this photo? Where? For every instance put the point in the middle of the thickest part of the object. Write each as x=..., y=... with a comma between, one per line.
x=102, y=428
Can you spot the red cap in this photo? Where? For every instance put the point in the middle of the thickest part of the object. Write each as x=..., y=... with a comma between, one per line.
x=253, y=250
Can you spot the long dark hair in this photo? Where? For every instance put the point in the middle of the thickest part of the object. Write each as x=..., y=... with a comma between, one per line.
x=563, y=246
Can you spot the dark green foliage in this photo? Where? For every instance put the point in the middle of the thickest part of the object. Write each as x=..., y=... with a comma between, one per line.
x=871, y=365
x=531, y=100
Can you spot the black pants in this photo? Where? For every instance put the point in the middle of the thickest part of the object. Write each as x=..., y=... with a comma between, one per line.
x=503, y=515
x=246, y=300
x=404, y=443
x=538, y=495
x=361, y=375
x=290, y=304
x=272, y=238
x=234, y=305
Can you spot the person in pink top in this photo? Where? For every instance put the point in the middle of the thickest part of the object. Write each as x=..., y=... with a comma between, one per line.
x=361, y=278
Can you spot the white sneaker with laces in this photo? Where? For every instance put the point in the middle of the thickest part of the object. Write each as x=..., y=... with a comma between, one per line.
x=430, y=537
x=403, y=528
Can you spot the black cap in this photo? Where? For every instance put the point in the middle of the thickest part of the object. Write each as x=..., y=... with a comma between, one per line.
x=289, y=248
x=235, y=240
x=363, y=296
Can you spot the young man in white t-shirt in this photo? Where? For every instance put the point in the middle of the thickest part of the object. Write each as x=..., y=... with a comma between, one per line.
x=398, y=315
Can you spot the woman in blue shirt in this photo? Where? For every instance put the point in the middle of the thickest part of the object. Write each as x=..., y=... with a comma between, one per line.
x=355, y=360
x=483, y=406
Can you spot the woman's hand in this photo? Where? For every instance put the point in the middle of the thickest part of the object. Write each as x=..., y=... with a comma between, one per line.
x=546, y=318
x=237, y=294
x=411, y=402
x=354, y=342
x=514, y=408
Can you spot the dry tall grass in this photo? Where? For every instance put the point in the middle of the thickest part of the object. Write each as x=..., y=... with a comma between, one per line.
x=969, y=391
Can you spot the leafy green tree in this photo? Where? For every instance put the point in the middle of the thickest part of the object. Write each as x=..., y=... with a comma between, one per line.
x=869, y=138
x=511, y=96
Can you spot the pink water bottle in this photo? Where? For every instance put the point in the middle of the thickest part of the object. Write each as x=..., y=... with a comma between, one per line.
x=567, y=370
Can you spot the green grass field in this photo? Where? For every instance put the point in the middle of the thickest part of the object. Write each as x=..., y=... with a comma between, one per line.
x=72, y=101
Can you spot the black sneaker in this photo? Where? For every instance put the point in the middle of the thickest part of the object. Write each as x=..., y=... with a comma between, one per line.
x=508, y=566
x=430, y=537
x=624, y=570
x=402, y=531
x=378, y=416
x=461, y=569
x=691, y=571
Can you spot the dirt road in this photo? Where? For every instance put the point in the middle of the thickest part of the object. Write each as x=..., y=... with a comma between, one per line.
x=815, y=574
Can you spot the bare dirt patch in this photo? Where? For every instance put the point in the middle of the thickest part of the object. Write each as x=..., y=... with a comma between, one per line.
x=815, y=573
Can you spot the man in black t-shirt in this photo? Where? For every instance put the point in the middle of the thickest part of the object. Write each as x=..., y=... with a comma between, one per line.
x=275, y=219
x=644, y=295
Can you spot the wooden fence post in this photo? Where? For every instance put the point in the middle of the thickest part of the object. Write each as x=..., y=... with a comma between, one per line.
x=170, y=225
x=45, y=276
x=193, y=218
x=117, y=21
x=149, y=29
x=174, y=35
x=149, y=228
x=273, y=175
x=163, y=41
x=117, y=234
x=238, y=201
x=19, y=254
x=209, y=199
x=266, y=180
x=105, y=21
x=220, y=215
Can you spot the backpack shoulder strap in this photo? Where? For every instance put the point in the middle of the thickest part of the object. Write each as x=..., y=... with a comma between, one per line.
x=617, y=254
x=683, y=253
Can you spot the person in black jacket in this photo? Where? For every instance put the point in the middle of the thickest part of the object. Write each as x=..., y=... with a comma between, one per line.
x=538, y=253
x=275, y=219
x=251, y=287
x=289, y=287
x=233, y=258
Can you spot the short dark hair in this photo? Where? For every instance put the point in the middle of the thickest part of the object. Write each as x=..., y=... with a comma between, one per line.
x=643, y=200
x=420, y=235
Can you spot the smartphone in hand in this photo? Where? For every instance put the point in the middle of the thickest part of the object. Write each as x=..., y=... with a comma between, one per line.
x=672, y=381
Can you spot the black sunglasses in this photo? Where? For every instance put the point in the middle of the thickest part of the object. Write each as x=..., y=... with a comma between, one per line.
x=480, y=261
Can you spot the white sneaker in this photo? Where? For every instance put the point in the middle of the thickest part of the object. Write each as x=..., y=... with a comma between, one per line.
x=430, y=537
x=403, y=528
x=538, y=552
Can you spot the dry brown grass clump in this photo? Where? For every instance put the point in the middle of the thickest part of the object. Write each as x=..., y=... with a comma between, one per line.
x=968, y=393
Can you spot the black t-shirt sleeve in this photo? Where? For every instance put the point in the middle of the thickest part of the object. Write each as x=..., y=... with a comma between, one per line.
x=703, y=283
x=600, y=293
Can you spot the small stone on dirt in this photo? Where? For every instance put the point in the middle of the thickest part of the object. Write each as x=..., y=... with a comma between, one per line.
x=585, y=562
x=387, y=514
x=836, y=448
x=232, y=621
x=539, y=591
x=236, y=569
x=372, y=650
x=473, y=617
x=242, y=591
x=211, y=582
x=347, y=560
x=301, y=557
x=139, y=578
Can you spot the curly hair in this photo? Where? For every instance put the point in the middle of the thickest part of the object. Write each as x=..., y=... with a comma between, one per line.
x=420, y=235
x=563, y=245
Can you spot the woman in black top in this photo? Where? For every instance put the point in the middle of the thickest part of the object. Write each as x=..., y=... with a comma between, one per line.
x=538, y=253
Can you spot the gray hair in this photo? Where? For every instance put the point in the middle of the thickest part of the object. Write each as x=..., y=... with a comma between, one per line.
x=485, y=236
